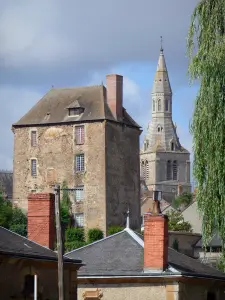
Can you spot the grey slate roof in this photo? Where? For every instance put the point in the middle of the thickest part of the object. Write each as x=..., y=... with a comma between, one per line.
x=15, y=245
x=122, y=254
x=214, y=242
x=6, y=183
x=53, y=107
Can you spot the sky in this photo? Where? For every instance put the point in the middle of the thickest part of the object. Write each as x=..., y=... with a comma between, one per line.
x=64, y=43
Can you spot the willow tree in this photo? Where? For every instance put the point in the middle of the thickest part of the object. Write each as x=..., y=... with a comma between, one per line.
x=206, y=49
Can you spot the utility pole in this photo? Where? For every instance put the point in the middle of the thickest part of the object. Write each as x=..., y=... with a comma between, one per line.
x=59, y=244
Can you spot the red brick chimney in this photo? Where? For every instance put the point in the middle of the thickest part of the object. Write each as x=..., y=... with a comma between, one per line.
x=155, y=242
x=114, y=85
x=41, y=219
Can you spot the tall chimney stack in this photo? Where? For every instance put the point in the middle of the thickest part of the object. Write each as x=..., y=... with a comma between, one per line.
x=41, y=219
x=114, y=86
x=155, y=242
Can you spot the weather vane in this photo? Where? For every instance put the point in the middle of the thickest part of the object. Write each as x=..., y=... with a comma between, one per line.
x=161, y=42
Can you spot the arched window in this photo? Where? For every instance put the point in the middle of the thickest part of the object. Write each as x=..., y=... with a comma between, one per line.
x=147, y=170
x=172, y=146
x=175, y=170
x=153, y=105
x=159, y=128
x=159, y=105
x=169, y=170
x=167, y=104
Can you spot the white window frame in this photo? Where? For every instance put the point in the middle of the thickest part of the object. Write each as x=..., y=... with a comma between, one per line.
x=31, y=167
x=79, y=163
x=79, y=219
x=31, y=138
x=79, y=134
x=79, y=190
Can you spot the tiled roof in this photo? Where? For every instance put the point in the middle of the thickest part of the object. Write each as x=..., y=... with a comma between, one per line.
x=53, y=107
x=122, y=254
x=214, y=242
x=15, y=245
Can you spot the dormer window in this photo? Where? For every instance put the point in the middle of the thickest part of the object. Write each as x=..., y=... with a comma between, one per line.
x=75, y=111
x=172, y=146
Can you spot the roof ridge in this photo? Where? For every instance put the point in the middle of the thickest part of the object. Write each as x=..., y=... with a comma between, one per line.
x=135, y=236
x=76, y=87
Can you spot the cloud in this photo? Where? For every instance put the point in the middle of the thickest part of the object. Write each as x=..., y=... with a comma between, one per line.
x=75, y=37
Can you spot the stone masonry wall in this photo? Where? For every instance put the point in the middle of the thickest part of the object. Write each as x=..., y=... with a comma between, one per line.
x=55, y=151
x=123, y=179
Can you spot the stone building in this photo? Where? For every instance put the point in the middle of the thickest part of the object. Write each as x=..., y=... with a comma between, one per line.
x=165, y=164
x=85, y=136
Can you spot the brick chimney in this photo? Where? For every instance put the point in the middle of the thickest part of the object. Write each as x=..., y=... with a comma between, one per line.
x=114, y=85
x=155, y=242
x=41, y=219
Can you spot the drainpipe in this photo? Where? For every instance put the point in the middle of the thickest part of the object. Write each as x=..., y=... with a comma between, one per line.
x=35, y=287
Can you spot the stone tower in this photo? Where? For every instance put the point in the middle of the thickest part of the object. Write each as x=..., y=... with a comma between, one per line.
x=165, y=164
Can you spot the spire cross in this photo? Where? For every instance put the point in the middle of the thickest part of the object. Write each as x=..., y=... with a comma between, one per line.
x=161, y=43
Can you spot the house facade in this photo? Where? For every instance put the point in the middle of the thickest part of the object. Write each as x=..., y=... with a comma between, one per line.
x=164, y=162
x=85, y=137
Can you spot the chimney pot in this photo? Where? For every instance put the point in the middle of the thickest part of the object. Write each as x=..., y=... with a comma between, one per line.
x=114, y=85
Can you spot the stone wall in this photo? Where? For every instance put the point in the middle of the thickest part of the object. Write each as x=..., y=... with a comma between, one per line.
x=111, y=173
x=123, y=175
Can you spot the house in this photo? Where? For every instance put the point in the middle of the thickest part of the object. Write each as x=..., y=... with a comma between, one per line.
x=6, y=184
x=164, y=162
x=84, y=136
x=192, y=215
x=21, y=260
x=128, y=266
x=211, y=254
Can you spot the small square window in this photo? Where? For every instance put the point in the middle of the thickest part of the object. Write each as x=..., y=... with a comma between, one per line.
x=33, y=138
x=79, y=135
x=79, y=220
x=79, y=193
x=33, y=167
x=79, y=163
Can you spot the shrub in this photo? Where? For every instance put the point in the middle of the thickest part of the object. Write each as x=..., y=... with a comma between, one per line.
x=69, y=246
x=20, y=229
x=114, y=229
x=176, y=245
x=75, y=234
x=94, y=234
x=18, y=217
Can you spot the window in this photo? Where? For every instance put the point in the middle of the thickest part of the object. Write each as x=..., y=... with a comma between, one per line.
x=75, y=111
x=79, y=135
x=147, y=169
x=33, y=167
x=80, y=163
x=159, y=128
x=33, y=138
x=169, y=170
x=79, y=220
x=172, y=146
x=159, y=105
x=175, y=170
x=153, y=106
x=167, y=104
x=143, y=169
x=79, y=193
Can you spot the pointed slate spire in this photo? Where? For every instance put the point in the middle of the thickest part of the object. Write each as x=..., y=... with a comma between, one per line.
x=161, y=80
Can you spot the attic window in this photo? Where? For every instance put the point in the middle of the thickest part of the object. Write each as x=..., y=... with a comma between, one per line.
x=75, y=111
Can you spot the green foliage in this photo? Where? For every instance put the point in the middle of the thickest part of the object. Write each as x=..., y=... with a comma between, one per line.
x=175, y=245
x=177, y=223
x=206, y=50
x=12, y=218
x=75, y=234
x=94, y=234
x=220, y=264
x=114, y=229
x=65, y=207
x=183, y=200
x=20, y=229
x=69, y=246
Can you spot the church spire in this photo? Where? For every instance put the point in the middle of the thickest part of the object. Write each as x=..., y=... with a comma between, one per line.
x=161, y=80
